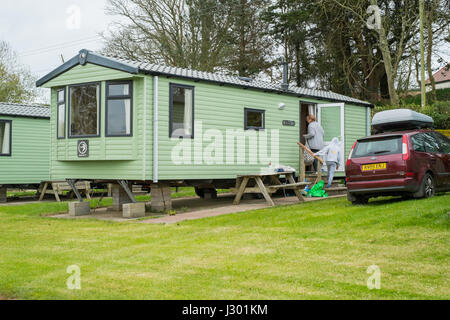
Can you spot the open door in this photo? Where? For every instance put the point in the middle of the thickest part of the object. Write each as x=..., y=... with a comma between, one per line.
x=331, y=118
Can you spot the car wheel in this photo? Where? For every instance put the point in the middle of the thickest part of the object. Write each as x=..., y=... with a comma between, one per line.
x=427, y=188
x=360, y=200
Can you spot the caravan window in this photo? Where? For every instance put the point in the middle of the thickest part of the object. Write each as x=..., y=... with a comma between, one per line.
x=61, y=113
x=119, y=109
x=84, y=110
x=254, y=119
x=181, y=111
x=5, y=137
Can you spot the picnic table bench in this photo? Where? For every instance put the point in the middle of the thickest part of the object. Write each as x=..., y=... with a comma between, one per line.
x=262, y=185
x=58, y=188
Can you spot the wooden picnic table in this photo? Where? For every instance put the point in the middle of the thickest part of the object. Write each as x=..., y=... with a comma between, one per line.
x=262, y=186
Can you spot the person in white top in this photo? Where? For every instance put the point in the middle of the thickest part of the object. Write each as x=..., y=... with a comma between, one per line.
x=332, y=157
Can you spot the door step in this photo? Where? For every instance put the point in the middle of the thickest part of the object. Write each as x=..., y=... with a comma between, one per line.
x=336, y=191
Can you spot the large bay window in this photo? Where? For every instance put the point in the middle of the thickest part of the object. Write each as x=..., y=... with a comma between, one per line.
x=5, y=137
x=181, y=111
x=84, y=110
x=119, y=109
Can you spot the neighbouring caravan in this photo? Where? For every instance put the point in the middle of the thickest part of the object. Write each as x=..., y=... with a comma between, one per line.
x=131, y=121
x=24, y=146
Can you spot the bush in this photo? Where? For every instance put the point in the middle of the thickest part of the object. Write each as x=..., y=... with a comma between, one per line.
x=441, y=95
x=439, y=111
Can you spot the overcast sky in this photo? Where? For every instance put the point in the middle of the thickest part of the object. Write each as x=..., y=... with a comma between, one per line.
x=40, y=31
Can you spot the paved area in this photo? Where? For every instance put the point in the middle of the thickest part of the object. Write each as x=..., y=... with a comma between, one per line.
x=24, y=200
x=192, y=209
x=226, y=207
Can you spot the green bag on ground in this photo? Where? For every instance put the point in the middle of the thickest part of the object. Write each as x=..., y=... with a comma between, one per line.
x=317, y=191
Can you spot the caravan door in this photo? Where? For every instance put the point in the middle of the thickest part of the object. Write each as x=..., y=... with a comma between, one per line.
x=331, y=118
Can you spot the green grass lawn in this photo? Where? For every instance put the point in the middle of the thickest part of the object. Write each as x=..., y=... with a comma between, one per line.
x=312, y=251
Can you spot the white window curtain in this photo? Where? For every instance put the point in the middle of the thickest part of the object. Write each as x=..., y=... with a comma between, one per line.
x=188, y=112
x=128, y=116
x=312, y=109
x=6, y=138
x=98, y=110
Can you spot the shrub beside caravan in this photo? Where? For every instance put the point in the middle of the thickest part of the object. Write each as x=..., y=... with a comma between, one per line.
x=128, y=121
x=24, y=146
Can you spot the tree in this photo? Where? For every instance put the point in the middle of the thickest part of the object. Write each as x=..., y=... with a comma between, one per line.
x=207, y=35
x=289, y=21
x=436, y=22
x=181, y=33
x=251, y=49
x=16, y=82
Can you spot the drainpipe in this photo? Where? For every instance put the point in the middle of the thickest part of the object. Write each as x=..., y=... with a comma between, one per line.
x=155, y=129
x=285, y=84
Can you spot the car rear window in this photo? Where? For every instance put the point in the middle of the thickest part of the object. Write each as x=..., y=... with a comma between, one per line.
x=378, y=147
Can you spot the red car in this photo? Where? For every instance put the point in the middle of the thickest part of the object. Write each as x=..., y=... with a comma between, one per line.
x=407, y=163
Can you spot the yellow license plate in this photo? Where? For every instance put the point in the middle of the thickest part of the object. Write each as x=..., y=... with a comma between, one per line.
x=375, y=166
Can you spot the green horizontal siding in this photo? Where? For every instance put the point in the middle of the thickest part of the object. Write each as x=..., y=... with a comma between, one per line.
x=221, y=108
x=29, y=162
x=86, y=73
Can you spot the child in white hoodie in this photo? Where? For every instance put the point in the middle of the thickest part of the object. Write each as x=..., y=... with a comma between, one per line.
x=332, y=157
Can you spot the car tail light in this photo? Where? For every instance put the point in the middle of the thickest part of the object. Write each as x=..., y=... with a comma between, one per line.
x=405, y=148
x=410, y=174
x=351, y=153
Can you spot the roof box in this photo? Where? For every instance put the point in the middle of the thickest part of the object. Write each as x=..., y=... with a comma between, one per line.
x=400, y=119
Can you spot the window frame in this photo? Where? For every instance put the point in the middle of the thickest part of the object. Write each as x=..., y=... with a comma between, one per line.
x=10, y=139
x=58, y=103
x=263, y=112
x=171, y=87
x=99, y=116
x=108, y=98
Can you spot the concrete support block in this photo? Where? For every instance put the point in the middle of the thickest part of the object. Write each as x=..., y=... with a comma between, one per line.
x=134, y=210
x=77, y=209
x=3, y=195
x=120, y=197
x=161, y=197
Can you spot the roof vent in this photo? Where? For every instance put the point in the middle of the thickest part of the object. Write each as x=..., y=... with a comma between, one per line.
x=245, y=79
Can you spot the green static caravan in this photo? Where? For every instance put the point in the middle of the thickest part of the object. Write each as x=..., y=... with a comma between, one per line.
x=24, y=146
x=115, y=119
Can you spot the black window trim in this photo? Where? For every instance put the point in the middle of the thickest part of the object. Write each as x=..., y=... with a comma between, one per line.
x=171, y=87
x=99, y=116
x=58, y=103
x=10, y=139
x=255, y=110
x=123, y=97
